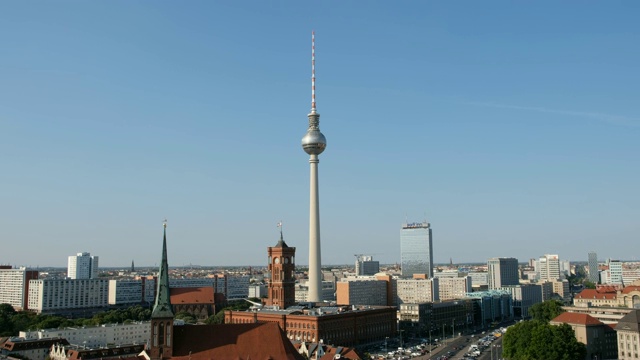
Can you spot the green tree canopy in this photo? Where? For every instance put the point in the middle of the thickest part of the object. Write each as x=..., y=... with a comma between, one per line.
x=546, y=311
x=533, y=340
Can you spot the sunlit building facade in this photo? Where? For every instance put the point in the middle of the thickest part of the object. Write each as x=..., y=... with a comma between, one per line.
x=416, y=249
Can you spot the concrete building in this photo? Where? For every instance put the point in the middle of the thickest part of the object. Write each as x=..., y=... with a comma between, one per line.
x=561, y=289
x=492, y=306
x=96, y=336
x=607, y=315
x=366, y=266
x=479, y=278
x=416, y=291
x=598, y=338
x=628, y=331
x=328, y=292
x=524, y=296
x=82, y=266
x=594, y=275
x=258, y=291
x=502, y=272
x=356, y=291
x=131, y=291
x=547, y=290
x=14, y=286
x=615, y=272
x=416, y=249
x=454, y=288
x=63, y=295
x=548, y=268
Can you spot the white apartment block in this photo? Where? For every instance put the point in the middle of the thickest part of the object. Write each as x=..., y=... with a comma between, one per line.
x=131, y=291
x=417, y=290
x=82, y=266
x=258, y=291
x=548, y=268
x=97, y=336
x=14, y=286
x=454, y=288
x=328, y=291
x=232, y=286
x=479, y=278
x=50, y=295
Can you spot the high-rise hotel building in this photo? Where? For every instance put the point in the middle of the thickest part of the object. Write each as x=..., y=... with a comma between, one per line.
x=416, y=249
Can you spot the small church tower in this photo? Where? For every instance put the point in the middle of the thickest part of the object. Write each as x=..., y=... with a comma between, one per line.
x=162, y=314
x=282, y=267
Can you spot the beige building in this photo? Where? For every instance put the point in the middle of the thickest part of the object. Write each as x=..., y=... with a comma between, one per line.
x=454, y=288
x=628, y=330
x=609, y=296
x=356, y=291
x=599, y=338
x=417, y=290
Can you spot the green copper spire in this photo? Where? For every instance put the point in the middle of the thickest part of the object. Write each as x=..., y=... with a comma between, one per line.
x=162, y=307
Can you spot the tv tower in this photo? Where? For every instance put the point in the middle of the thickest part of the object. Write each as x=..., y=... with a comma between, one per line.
x=314, y=143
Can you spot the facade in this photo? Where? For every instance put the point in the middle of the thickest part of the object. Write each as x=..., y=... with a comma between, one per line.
x=479, y=278
x=231, y=286
x=417, y=290
x=96, y=336
x=199, y=302
x=607, y=315
x=61, y=295
x=328, y=291
x=547, y=290
x=281, y=266
x=628, y=331
x=438, y=318
x=334, y=325
x=598, y=338
x=366, y=266
x=416, y=249
x=549, y=268
x=258, y=291
x=615, y=272
x=454, y=288
x=502, y=272
x=14, y=286
x=82, y=266
x=562, y=291
x=357, y=291
x=524, y=296
x=131, y=291
x=492, y=306
x=594, y=275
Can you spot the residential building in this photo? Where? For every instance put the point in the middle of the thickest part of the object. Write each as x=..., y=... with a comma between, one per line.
x=502, y=272
x=14, y=286
x=358, y=291
x=29, y=349
x=454, y=288
x=594, y=275
x=416, y=249
x=131, y=291
x=628, y=331
x=63, y=295
x=417, y=290
x=598, y=338
x=82, y=266
x=96, y=336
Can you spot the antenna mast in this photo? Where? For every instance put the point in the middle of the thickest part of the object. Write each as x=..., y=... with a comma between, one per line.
x=313, y=71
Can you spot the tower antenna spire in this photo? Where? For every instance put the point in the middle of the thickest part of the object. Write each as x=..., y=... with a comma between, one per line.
x=313, y=71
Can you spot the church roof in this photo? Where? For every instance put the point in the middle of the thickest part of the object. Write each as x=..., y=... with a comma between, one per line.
x=232, y=341
x=630, y=322
x=197, y=295
x=596, y=294
x=162, y=307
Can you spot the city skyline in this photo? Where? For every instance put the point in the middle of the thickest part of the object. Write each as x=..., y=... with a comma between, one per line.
x=500, y=124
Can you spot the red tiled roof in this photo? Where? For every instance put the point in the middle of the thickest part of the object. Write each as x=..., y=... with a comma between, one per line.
x=596, y=294
x=199, y=295
x=21, y=345
x=577, y=319
x=629, y=289
x=232, y=341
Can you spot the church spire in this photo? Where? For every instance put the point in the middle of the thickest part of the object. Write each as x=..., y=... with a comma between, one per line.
x=162, y=307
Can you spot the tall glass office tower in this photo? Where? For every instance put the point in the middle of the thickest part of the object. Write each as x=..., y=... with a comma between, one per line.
x=594, y=276
x=416, y=249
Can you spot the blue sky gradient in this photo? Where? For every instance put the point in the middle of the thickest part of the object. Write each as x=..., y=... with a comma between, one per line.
x=514, y=128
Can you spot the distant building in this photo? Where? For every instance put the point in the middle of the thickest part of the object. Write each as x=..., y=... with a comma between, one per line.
x=598, y=338
x=502, y=272
x=548, y=268
x=14, y=286
x=131, y=291
x=30, y=349
x=82, y=266
x=257, y=291
x=415, y=291
x=199, y=302
x=492, y=306
x=95, y=336
x=524, y=296
x=63, y=295
x=366, y=266
x=615, y=272
x=594, y=275
x=416, y=249
x=628, y=330
x=355, y=291
x=454, y=288
x=281, y=291
x=479, y=278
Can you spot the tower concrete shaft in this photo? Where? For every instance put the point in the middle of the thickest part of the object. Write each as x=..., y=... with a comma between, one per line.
x=315, y=275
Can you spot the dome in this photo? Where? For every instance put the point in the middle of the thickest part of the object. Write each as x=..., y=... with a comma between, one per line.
x=314, y=142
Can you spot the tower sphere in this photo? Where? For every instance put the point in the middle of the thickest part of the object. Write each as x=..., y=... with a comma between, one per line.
x=313, y=142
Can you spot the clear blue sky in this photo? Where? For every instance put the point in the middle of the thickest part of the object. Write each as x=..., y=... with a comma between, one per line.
x=513, y=127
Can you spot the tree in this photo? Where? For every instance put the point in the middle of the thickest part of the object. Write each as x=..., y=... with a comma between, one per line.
x=531, y=340
x=186, y=317
x=588, y=284
x=546, y=311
